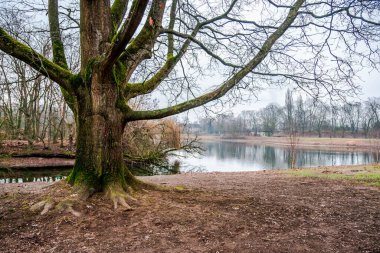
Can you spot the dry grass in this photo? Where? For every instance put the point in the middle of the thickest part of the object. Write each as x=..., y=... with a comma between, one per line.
x=368, y=175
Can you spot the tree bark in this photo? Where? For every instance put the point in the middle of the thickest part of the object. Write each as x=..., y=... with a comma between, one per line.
x=99, y=164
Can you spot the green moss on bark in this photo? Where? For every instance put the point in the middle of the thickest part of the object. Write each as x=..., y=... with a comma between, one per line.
x=76, y=81
x=90, y=69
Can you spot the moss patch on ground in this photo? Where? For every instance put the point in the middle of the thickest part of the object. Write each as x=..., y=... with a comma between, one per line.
x=368, y=175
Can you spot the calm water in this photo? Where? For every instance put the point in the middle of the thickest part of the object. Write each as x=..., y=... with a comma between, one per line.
x=36, y=175
x=223, y=156
x=230, y=156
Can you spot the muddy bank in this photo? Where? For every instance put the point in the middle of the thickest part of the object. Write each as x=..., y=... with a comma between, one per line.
x=337, y=144
x=35, y=163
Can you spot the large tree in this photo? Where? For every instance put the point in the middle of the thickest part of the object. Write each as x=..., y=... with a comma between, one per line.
x=314, y=44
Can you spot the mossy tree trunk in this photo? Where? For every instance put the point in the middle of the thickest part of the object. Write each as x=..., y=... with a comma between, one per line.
x=99, y=165
x=100, y=124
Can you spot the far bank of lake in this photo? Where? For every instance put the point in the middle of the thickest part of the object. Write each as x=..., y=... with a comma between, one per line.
x=263, y=153
x=338, y=144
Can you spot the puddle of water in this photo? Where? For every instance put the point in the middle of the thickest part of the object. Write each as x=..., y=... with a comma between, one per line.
x=32, y=179
x=33, y=175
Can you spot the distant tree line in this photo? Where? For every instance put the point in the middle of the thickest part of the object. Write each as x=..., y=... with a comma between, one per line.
x=305, y=117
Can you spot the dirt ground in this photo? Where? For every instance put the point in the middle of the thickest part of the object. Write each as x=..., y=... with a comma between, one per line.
x=206, y=212
x=34, y=162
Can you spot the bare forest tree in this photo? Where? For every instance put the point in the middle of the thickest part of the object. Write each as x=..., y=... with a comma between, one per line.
x=270, y=116
x=132, y=48
x=31, y=105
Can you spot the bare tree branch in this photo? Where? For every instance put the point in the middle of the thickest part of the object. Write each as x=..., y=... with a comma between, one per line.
x=55, y=35
x=37, y=61
x=122, y=38
x=231, y=82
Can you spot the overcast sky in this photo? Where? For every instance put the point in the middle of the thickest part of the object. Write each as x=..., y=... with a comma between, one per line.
x=370, y=87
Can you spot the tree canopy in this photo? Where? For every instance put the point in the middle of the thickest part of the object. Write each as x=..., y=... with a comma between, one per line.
x=152, y=44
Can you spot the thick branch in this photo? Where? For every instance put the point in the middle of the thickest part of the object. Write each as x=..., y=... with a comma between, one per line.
x=141, y=47
x=150, y=30
x=55, y=35
x=122, y=38
x=136, y=89
x=37, y=61
x=171, y=27
x=95, y=30
x=230, y=83
x=58, y=47
x=118, y=10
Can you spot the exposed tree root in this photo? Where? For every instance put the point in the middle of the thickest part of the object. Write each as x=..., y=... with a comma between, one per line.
x=44, y=206
x=63, y=206
x=67, y=206
x=139, y=185
x=119, y=197
x=62, y=197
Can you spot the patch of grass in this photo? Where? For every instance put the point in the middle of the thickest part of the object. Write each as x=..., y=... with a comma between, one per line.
x=368, y=175
x=180, y=188
x=377, y=184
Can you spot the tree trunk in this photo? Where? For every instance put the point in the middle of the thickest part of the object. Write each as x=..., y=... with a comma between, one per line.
x=99, y=161
x=99, y=164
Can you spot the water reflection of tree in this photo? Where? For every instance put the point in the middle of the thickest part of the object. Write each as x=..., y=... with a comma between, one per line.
x=226, y=150
x=291, y=157
x=269, y=156
x=375, y=143
x=266, y=157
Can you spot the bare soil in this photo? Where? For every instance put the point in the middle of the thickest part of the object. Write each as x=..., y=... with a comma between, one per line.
x=35, y=162
x=16, y=147
x=16, y=154
x=207, y=212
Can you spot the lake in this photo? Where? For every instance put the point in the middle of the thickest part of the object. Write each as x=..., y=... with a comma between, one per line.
x=233, y=156
x=224, y=157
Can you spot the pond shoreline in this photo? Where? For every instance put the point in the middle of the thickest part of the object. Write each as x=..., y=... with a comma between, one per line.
x=19, y=158
x=312, y=143
x=182, y=178
x=35, y=163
